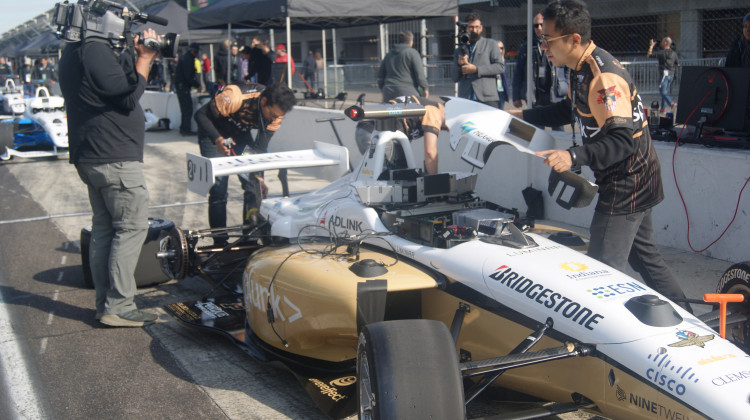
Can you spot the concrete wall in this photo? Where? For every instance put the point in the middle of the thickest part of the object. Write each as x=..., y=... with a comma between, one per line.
x=710, y=180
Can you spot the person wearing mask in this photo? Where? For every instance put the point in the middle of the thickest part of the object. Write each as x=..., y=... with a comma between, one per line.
x=224, y=129
x=102, y=84
x=401, y=73
x=739, y=50
x=476, y=68
x=543, y=73
x=186, y=78
x=616, y=145
x=503, y=89
x=668, y=62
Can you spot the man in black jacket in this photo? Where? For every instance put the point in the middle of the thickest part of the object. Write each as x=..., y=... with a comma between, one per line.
x=616, y=145
x=224, y=129
x=186, y=78
x=102, y=86
x=541, y=71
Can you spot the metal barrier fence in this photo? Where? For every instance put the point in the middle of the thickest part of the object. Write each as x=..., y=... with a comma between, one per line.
x=363, y=77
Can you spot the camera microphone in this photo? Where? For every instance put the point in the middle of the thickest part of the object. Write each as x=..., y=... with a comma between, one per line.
x=155, y=19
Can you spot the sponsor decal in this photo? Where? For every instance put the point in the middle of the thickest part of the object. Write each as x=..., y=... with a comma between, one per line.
x=258, y=296
x=468, y=127
x=656, y=408
x=620, y=394
x=668, y=375
x=608, y=97
x=532, y=250
x=581, y=271
x=735, y=273
x=731, y=377
x=689, y=338
x=542, y=295
x=712, y=359
x=599, y=60
x=348, y=224
x=612, y=290
x=345, y=381
x=327, y=390
x=210, y=310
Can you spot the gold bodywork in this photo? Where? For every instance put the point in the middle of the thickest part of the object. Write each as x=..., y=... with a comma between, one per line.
x=315, y=310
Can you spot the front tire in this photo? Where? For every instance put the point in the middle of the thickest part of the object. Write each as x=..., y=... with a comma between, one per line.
x=737, y=280
x=408, y=369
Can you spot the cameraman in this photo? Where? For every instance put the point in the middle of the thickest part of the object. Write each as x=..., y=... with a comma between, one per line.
x=101, y=86
x=476, y=65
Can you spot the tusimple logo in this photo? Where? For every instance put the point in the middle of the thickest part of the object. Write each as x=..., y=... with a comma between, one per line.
x=468, y=127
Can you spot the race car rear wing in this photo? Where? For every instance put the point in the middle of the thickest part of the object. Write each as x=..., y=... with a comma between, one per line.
x=202, y=172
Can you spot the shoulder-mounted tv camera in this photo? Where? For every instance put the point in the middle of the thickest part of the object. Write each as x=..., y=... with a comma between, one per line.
x=463, y=39
x=108, y=21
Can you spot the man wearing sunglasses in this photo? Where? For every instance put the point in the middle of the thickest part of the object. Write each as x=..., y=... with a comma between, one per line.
x=224, y=129
x=541, y=70
x=616, y=145
x=476, y=70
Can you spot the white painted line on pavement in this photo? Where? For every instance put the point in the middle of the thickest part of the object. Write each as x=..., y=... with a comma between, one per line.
x=50, y=317
x=63, y=259
x=14, y=370
x=59, y=276
x=43, y=346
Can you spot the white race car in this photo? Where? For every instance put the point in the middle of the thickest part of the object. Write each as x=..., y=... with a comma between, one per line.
x=41, y=130
x=397, y=295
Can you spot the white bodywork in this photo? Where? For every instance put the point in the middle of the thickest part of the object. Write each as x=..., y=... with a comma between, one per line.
x=49, y=112
x=584, y=297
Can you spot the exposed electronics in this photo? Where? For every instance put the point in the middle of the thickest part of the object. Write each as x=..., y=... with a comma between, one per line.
x=108, y=21
x=714, y=97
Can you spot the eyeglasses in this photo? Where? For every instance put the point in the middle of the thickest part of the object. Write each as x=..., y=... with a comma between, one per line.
x=537, y=25
x=546, y=41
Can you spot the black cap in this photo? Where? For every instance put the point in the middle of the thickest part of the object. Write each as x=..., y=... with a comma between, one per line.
x=194, y=47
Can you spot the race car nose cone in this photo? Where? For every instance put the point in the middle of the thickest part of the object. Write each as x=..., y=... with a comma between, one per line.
x=368, y=268
x=653, y=311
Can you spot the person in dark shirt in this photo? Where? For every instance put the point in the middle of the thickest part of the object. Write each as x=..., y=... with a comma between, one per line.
x=224, y=126
x=5, y=68
x=739, y=50
x=102, y=86
x=616, y=145
x=401, y=73
x=260, y=64
x=668, y=62
x=186, y=78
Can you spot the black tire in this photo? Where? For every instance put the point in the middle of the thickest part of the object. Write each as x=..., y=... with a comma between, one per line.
x=408, y=369
x=737, y=280
x=148, y=271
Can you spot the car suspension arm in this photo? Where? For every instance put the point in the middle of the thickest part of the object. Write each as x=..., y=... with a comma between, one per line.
x=522, y=347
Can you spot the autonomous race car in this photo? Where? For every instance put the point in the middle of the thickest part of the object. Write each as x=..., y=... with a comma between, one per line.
x=398, y=295
x=36, y=126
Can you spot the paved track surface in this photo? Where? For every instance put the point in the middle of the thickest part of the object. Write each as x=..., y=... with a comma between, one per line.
x=77, y=368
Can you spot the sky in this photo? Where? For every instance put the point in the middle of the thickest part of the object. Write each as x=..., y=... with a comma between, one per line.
x=17, y=12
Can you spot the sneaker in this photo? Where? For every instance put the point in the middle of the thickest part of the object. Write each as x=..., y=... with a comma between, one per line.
x=134, y=318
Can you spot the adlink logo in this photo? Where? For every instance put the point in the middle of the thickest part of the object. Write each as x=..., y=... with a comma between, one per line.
x=468, y=127
x=348, y=224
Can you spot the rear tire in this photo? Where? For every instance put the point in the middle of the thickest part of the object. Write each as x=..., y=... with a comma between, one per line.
x=737, y=280
x=148, y=271
x=408, y=369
